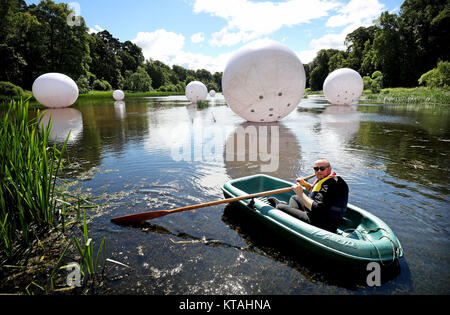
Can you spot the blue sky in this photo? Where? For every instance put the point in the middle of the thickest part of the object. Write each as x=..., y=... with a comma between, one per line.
x=200, y=34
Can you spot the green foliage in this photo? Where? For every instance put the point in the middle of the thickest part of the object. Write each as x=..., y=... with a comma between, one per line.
x=83, y=84
x=326, y=61
x=36, y=39
x=374, y=83
x=28, y=169
x=438, y=77
x=139, y=81
x=9, y=89
x=101, y=85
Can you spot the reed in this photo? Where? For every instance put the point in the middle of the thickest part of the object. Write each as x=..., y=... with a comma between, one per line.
x=29, y=164
x=90, y=262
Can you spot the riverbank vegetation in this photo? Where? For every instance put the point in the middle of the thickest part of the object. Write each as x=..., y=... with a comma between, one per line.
x=37, y=215
x=416, y=95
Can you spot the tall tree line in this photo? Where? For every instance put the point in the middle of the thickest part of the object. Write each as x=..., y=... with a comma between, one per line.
x=401, y=47
x=37, y=39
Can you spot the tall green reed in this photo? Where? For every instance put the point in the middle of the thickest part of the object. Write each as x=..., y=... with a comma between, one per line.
x=29, y=164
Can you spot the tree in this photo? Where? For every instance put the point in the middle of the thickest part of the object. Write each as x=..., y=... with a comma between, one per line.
x=359, y=42
x=438, y=77
x=388, y=50
x=425, y=27
x=326, y=61
x=65, y=48
x=139, y=81
x=159, y=72
x=105, y=64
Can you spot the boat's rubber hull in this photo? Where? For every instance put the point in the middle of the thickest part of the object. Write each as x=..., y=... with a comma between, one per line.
x=361, y=238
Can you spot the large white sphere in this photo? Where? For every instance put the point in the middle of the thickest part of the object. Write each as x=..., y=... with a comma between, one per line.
x=196, y=91
x=263, y=81
x=55, y=90
x=118, y=95
x=343, y=87
x=212, y=93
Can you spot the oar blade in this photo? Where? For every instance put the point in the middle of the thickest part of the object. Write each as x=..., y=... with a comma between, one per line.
x=140, y=217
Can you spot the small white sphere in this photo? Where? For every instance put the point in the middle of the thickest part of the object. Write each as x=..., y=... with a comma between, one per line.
x=263, y=81
x=55, y=90
x=196, y=91
x=212, y=93
x=343, y=87
x=118, y=95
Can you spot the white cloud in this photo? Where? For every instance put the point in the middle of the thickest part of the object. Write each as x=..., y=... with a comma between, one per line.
x=160, y=45
x=197, y=38
x=361, y=12
x=168, y=47
x=352, y=15
x=247, y=20
x=306, y=56
x=96, y=29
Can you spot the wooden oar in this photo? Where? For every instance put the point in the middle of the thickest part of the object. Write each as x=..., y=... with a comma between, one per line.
x=144, y=216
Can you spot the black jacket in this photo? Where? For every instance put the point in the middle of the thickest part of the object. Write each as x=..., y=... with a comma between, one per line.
x=329, y=203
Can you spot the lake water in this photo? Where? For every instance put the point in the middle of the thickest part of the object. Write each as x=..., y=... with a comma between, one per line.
x=162, y=153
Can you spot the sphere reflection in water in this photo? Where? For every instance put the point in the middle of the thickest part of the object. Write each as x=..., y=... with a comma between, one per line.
x=262, y=148
x=64, y=120
x=119, y=109
x=340, y=122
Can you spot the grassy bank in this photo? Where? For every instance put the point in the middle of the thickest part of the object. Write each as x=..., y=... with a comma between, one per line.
x=417, y=95
x=4, y=100
x=108, y=94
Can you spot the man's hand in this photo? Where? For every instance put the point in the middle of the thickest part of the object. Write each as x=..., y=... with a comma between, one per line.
x=302, y=182
x=298, y=189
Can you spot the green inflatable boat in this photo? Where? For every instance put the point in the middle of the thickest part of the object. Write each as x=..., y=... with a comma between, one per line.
x=360, y=238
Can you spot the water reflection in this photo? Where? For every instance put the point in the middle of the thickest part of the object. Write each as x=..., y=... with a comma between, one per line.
x=341, y=123
x=119, y=108
x=262, y=148
x=64, y=121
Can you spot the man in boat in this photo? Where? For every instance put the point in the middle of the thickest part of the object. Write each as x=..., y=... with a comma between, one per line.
x=326, y=203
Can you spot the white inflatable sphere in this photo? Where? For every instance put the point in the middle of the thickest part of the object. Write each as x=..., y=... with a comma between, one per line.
x=263, y=81
x=212, y=93
x=196, y=91
x=55, y=90
x=118, y=95
x=343, y=87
